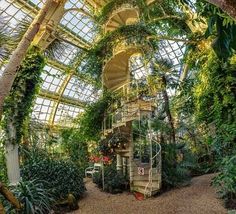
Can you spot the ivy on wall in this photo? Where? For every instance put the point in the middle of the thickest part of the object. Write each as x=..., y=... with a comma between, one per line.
x=90, y=122
x=18, y=104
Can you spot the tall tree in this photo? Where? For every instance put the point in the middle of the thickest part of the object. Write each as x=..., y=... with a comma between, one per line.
x=16, y=58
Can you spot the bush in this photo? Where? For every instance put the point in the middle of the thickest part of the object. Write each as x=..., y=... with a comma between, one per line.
x=75, y=147
x=32, y=195
x=3, y=171
x=177, y=162
x=225, y=181
x=114, y=181
x=61, y=178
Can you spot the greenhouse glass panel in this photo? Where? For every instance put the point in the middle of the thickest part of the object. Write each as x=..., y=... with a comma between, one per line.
x=42, y=109
x=12, y=15
x=65, y=114
x=52, y=79
x=80, y=90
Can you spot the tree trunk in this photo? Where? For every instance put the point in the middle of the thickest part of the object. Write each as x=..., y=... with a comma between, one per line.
x=7, y=80
x=228, y=6
x=10, y=197
x=2, y=210
x=167, y=109
x=12, y=163
x=10, y=71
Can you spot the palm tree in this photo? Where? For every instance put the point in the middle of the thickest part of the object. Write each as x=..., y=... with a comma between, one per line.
x=162, y=70
x=5, y=39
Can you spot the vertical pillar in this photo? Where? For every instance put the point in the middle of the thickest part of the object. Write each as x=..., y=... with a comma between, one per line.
x=131, y=158
x=124, y=166
x=119, y=165
x=12, y=162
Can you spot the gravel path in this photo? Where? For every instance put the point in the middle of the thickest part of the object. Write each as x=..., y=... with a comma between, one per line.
x=198, y=198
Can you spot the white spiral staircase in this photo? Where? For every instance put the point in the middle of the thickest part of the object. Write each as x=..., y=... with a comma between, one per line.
x=144, y=177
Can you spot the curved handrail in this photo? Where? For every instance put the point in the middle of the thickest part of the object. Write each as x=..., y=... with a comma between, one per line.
x=126, y=95
x=121, y=8
x=156, y=142
x=124, y=46
x=146, y=192
x=105, y=16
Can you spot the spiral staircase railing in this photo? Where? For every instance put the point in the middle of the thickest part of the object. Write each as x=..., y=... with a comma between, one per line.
x=134, y=98
x=154, y=160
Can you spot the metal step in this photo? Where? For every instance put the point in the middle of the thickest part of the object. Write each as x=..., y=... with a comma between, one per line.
x=154, y=184
x=145, y=192
x=146, y=178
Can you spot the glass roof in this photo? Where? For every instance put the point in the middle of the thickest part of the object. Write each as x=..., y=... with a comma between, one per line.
x=63, y=93
x=52, y=79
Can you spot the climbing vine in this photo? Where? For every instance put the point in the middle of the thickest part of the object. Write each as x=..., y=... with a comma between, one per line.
x=132, y=34
x=18, y=104
x=90, y=122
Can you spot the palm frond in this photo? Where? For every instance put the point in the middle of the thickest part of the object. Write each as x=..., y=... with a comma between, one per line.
x=57, y=48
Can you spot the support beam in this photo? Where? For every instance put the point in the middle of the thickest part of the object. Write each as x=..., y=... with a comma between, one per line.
x=56, y=104
x=69, y=37
x=63, y=99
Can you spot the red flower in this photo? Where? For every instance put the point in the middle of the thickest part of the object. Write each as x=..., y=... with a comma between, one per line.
x=106, y=159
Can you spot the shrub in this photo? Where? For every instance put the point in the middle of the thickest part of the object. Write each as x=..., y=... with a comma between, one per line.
x=3, y=171
x=225, y=181
x=62, y=178
x=177, y=162
x=75, y=147
x=113, y=180
x=33, y=196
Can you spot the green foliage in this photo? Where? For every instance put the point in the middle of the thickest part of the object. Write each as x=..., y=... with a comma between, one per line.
x=118, y=140
x=225, y=181
x=221, y=25
x=75, y=147
x=3, y=171
x=168, y=17
x=18, y=104
x=215, y=103
x=103, y=49
x=60, y=177
x=91, y=121
x=108, y=145
x=33, y=196
x=114, y=181
x=212, y=105
x=177, y=162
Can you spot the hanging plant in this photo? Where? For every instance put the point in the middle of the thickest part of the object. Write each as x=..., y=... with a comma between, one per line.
x=118, y=140
x=90, y=122
x=135, y=35
x=18, y=105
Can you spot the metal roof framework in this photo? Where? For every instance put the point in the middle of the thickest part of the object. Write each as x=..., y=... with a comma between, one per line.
x=64, y=92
